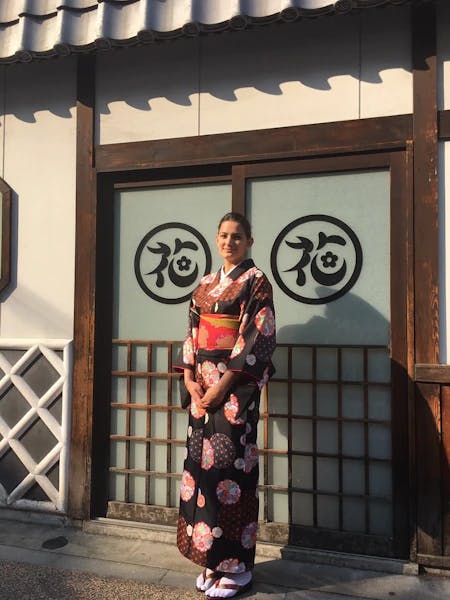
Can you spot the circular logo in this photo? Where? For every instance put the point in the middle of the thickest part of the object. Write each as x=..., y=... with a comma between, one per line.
x=316, y=259
x=169, y=262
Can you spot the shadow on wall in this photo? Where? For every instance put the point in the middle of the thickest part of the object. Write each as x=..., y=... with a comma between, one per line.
x=348, y=318
x=418, y=459
x=311, y=52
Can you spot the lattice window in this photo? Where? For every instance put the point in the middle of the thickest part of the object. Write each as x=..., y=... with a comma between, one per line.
x=34, y=423
x=324, y=436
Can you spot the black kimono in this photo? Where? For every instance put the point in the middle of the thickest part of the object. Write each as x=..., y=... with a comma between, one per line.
x=231, y=326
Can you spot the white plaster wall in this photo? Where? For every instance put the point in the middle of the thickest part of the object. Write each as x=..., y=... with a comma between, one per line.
x=147, y=93
x=39, y=165
x=386, y=63
x=280, y=76
x=314, y=71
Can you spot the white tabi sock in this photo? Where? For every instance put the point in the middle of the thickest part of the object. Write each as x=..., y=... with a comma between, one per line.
x=204, y=581
x=219, y=589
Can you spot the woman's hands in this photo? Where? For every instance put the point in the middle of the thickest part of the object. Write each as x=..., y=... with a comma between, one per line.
x=195, y=389
x=214, y=396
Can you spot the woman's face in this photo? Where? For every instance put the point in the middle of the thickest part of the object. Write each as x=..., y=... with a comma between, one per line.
x=232, y=243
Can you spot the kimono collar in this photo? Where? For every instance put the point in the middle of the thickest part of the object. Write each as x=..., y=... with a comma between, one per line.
x=237, y=271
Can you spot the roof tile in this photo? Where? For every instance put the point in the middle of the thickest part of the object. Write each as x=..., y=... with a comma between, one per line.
x=31, y=29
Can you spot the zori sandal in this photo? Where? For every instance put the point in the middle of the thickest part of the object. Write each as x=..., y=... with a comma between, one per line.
x=227, y=590
x=206, y=580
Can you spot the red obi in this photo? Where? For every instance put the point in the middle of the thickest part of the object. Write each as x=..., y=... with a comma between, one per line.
x=217, y=331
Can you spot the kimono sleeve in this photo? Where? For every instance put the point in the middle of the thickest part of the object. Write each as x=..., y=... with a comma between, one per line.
x=186, y=357
x=255, y=344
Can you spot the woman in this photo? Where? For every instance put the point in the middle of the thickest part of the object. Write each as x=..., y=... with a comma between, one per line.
x=226, y=361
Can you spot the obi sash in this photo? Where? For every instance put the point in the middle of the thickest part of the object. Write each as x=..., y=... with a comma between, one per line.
x=217, y=331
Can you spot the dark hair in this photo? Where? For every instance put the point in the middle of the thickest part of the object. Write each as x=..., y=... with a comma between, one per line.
x=238, y=218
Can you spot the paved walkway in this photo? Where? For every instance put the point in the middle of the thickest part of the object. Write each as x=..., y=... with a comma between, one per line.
x=107, y=560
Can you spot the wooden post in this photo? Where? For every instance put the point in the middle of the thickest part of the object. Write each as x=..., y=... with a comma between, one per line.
x=84, y=310
x=426, y=309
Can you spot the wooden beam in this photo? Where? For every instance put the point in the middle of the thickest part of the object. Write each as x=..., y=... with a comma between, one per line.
x=382, y=133
x=432, y=373
x=84, y=310
x=425, y=184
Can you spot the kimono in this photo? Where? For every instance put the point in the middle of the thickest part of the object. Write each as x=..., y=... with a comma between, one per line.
x=231, y=326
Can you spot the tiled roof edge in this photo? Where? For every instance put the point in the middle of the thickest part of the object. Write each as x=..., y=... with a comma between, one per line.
x=23, y=39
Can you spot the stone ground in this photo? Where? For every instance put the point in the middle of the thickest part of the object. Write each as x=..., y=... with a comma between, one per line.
x=32, y=582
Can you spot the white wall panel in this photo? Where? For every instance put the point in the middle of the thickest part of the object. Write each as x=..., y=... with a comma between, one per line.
x=386, y=63
x=39, y=159
x=443, y=54
x=3, y=71
x=280, y=76
x=148, y=93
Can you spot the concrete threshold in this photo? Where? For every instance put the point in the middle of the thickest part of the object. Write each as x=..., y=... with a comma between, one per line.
x=167, y=534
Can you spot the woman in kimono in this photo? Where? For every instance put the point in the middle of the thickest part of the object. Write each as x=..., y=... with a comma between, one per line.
x=226, y=361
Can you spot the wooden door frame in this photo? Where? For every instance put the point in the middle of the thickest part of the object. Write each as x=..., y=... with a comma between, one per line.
x=370, y=136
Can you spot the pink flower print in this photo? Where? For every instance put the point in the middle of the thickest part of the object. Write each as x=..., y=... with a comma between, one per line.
x=238, y=347
x=210, y=373
x=188, y=351
x=228, y=492
x=208, y=278
x=220, y=288
x=202, y=537
x=200, y=499
x=207, y=455
x=194, y=336
x=243, y=323
x=265, y=321
x=250, y=457
x=187, y=486
x=196, y=411
x=248, y=537
x=230, y=565
x=246, y=276
x=231, y=409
